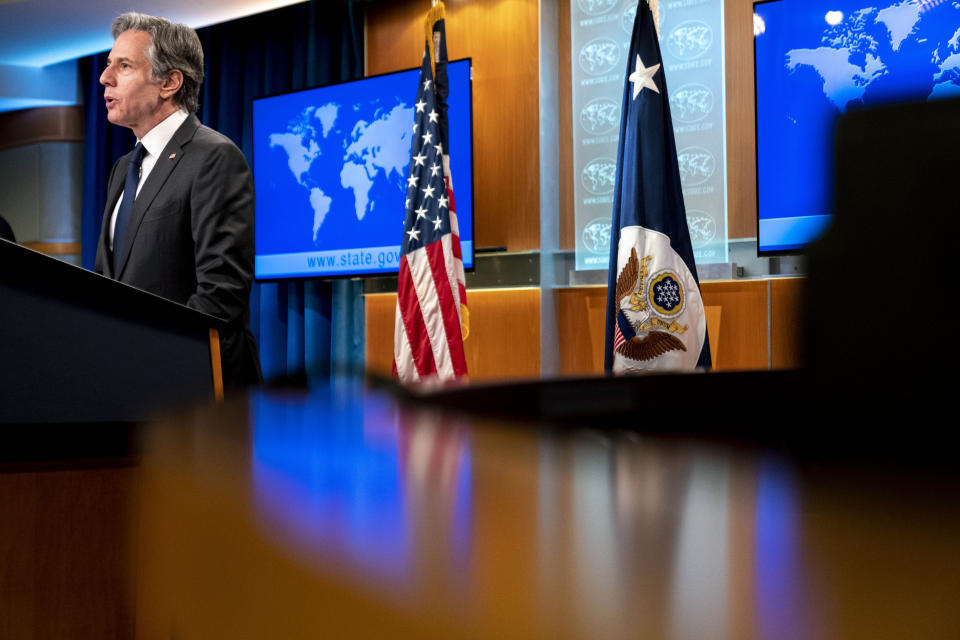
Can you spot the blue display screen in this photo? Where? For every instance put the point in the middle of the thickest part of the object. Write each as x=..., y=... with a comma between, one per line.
x=330, y=170
x=816, y=60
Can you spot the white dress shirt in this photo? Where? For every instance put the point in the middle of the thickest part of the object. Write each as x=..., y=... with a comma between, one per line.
x=153, y=143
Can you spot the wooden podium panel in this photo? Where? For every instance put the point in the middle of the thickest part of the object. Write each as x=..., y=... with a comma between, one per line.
x=744, y=329
x=66, y=540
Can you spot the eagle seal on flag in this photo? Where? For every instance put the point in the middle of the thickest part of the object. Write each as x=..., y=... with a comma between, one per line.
x=659, y=316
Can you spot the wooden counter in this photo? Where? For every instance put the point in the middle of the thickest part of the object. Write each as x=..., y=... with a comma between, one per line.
x=342, y=513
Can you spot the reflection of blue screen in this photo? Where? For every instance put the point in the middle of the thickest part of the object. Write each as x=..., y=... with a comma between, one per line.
x=330, y=170
x=323, y=480
x=816, y=59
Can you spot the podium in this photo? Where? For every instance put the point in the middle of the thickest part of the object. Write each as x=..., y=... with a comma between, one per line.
x=77, y=347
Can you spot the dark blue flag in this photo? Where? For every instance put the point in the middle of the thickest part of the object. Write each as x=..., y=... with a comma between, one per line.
x=655, y=317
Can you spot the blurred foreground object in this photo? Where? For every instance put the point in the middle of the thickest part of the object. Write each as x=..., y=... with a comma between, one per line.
x=881, y=278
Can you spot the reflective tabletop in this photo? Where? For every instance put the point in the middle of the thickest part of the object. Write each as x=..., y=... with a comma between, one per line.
x=342, y=512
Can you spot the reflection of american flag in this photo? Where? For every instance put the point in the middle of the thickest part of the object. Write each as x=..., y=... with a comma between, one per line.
x=431, y=296
x=926, y=5
x=431, y=450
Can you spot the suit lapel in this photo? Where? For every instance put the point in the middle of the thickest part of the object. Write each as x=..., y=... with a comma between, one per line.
x=114, y=189
x=169, y=159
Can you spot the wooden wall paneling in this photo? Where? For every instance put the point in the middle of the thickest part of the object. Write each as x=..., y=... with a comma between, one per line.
x=501, y=37
x=65, y=547
x=379, y=310
x=19, y=592
x=580, y=316
x=738, y=307
x=743, y=328
x=504, y=337
x=786, y=322
x=741, y=134
x=394, y=36
x=41, y=124
x=714, y=316
x=495, y=349
x=54, y=248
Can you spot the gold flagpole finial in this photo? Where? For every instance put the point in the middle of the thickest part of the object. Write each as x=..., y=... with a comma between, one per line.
x=437, y=12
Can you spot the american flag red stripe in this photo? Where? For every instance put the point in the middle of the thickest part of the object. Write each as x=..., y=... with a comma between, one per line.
x=432, y=450
x=416, y=361
x=449, y=305
x=427, y=338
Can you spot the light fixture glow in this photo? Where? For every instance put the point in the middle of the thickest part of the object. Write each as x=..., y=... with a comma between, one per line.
x=759, y=26
x=834, y=18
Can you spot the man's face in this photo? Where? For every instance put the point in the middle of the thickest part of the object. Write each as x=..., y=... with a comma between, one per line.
x=133, y=99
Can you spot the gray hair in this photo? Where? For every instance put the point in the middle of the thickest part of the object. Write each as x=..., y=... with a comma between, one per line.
x=173, y=46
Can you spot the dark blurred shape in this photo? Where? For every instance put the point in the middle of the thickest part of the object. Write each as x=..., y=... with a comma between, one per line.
x=5, y=231
x=879, y=336
x=671, y=404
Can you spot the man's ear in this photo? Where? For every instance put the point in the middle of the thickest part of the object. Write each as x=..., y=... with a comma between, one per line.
x=171, y=84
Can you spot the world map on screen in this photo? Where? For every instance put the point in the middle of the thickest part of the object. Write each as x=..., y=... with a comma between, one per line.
x=349, y=161
x=901, y=45
x=817, y=60
x=330, y=167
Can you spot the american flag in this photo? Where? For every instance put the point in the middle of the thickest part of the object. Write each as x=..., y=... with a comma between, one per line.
x=431, y=317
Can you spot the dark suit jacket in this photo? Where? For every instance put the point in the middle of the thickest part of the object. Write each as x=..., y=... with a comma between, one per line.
x=190, y=237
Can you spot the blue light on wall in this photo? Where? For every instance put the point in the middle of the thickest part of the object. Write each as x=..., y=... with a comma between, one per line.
x=24, y=87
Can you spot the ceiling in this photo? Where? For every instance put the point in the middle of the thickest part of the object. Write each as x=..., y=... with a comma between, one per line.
x=36, y=33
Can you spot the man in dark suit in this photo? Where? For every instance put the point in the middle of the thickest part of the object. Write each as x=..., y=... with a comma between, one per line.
x=179, y=214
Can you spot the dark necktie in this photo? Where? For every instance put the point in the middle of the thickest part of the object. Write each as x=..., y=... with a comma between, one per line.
x=126, y=205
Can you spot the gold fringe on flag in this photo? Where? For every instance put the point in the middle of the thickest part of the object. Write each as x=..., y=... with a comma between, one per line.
x=437, y=12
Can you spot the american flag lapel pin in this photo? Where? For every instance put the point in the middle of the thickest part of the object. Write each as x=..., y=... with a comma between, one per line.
x=172, y=156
